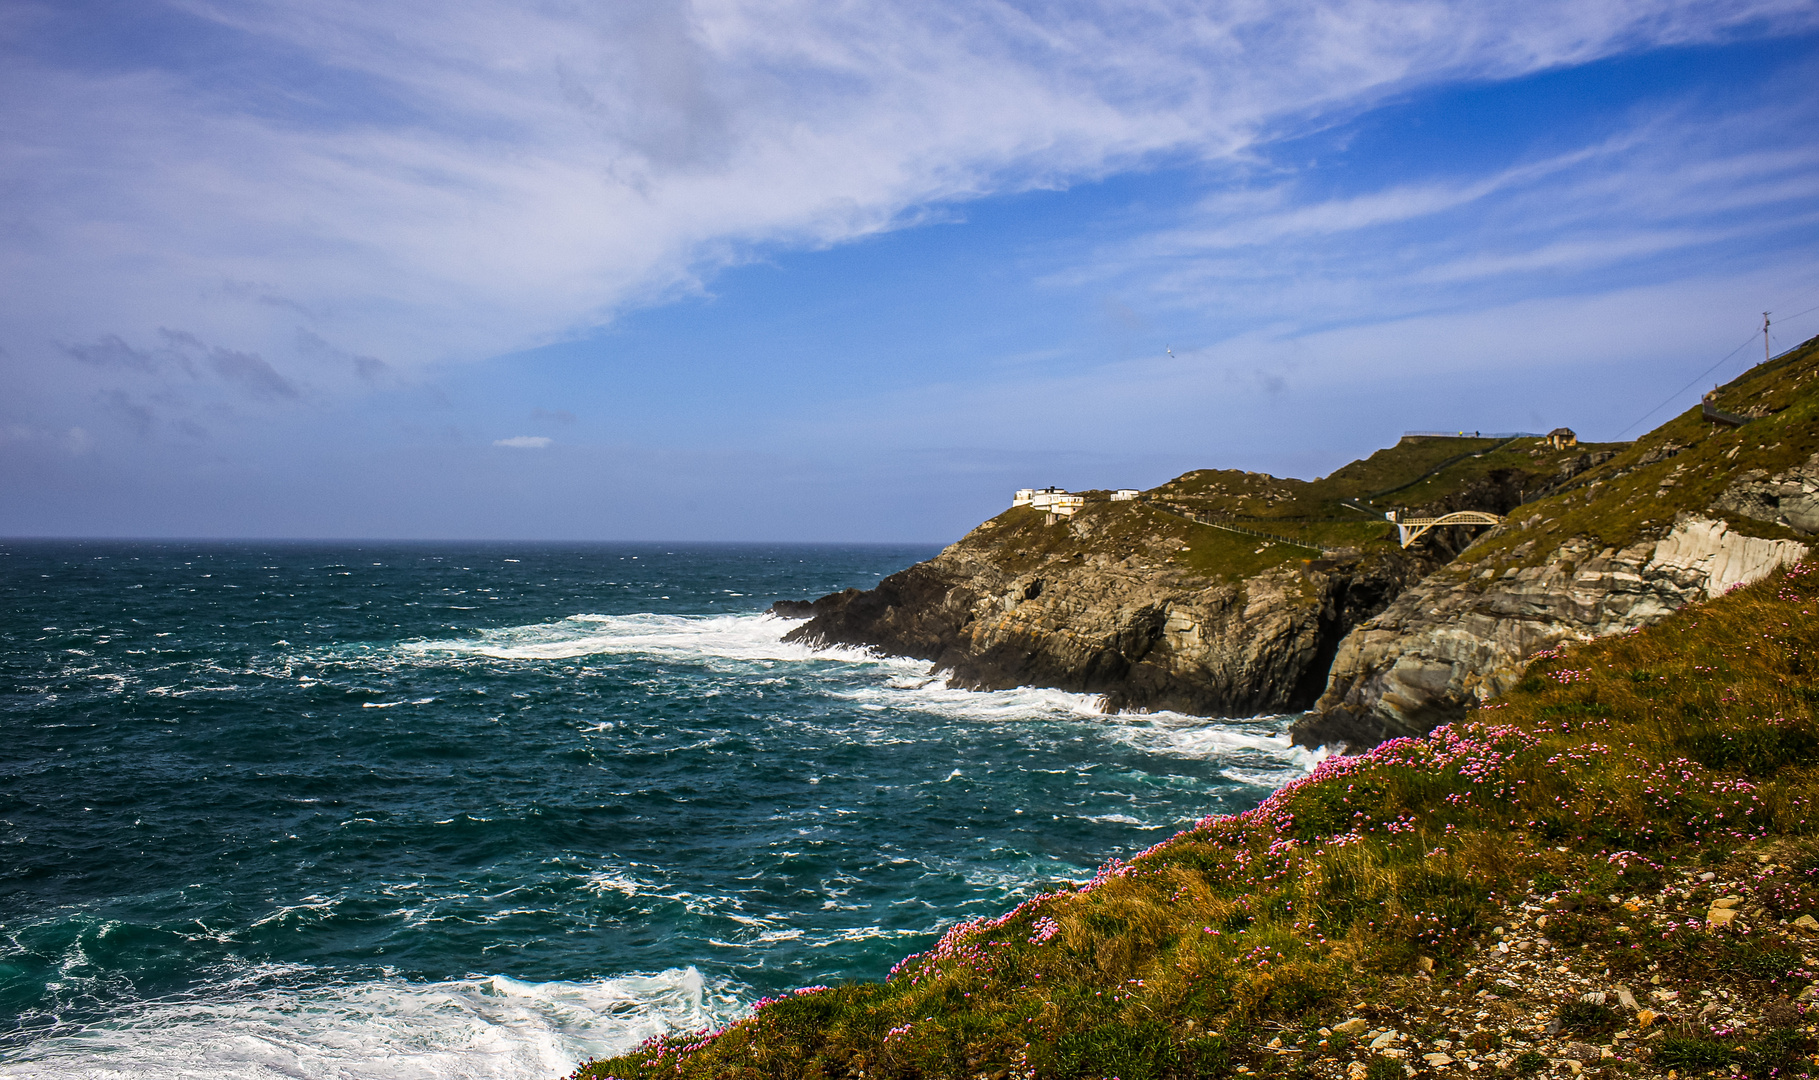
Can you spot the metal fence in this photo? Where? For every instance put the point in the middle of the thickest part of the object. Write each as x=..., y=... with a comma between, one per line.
x=1473, y=435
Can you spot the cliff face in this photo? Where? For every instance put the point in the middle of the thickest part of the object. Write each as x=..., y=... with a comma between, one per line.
x=1140, y=629
x=1448, y=643
x=1135, y=601
x=1689, y=511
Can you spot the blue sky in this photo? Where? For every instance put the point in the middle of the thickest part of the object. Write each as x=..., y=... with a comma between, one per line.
x=811, y=271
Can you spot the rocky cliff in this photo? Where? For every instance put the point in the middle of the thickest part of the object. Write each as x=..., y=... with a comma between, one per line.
x=1692, y=509
x=1143, y=604
x=1228, y=593
x=1135, y=626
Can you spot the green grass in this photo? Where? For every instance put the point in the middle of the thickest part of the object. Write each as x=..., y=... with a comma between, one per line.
x=1616, y=761
x=1618, y=502
x=1022, y=540
x=1407, y=470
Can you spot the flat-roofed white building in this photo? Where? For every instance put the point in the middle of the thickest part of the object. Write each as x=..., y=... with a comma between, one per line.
x=1051, y=500
x=1125, y=494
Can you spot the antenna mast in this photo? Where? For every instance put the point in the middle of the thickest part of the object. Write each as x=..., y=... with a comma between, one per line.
x=1765, y=356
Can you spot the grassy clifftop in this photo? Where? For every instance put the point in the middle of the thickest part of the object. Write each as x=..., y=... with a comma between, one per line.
x=1600, y=819
x=1419, y=474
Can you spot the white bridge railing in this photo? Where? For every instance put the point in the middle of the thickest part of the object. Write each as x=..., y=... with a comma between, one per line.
x=1412, y=529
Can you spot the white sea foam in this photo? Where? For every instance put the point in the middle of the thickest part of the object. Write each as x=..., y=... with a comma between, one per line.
x=1117, y=819
x=489, y=1027
x=1258, y=750
x=923, y=692
x=1261, y=742
x=729, y=637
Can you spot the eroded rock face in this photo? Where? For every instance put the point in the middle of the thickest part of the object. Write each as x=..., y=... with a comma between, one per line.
x=1451, y=641
x=1146, y=637
x=1788, y=498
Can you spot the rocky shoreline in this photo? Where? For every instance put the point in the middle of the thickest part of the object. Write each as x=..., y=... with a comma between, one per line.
x=1144, y=637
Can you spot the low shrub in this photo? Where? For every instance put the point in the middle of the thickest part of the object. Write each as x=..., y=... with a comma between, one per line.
x=1589, y=1018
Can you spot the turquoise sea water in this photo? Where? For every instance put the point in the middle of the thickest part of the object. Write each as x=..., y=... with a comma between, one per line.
x=385, y=810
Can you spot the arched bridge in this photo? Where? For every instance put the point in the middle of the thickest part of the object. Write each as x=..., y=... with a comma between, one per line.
x=1412, y=529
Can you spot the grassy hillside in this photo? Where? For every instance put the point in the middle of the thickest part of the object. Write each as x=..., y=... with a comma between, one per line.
x=1335, y=512
x=1444, y=900
x=1683, y=465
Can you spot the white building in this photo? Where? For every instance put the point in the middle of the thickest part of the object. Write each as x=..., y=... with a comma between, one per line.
x=1125, y=494
x=1051, y=500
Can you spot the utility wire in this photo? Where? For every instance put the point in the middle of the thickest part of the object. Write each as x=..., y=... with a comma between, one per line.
x=1695, y=381
x=1797, y=314
x=1697, y=378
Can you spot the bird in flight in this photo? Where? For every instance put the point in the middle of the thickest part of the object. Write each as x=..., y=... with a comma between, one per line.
x=1169, y=351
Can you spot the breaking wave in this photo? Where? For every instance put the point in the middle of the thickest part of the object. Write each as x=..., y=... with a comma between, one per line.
x=725, y=637
x=478, y=1028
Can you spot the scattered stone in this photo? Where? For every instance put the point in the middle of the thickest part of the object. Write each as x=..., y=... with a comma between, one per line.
x=1807, y=922
x=1386, y=1039
x=1352, y=1026
x=1721, y=916
x=1645, y=1017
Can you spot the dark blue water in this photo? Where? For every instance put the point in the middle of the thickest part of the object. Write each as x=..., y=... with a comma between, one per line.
x=410, y=810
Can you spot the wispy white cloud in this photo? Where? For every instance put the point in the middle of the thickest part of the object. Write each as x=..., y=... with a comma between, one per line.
x=525, y=442
x=1653, y=201
x=436, y=181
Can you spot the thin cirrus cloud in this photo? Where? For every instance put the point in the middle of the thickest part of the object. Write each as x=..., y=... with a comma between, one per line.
x=416, y=182
x=1673, y=193
x=525, y=442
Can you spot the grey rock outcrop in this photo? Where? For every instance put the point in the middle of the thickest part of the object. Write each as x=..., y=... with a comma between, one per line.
x=1789, y=498
x=1136, y=630
x=1454, y=640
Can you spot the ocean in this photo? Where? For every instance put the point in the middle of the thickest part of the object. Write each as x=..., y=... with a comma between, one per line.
x=444, y=810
